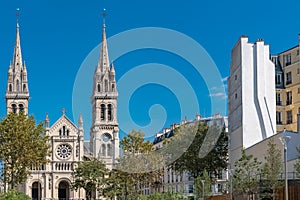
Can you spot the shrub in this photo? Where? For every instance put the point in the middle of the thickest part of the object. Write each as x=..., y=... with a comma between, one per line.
x=14, y=195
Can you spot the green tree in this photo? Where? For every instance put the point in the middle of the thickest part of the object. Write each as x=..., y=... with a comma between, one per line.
x=134, y=143
x=208, y=150
x=118, y=184
x=297, y=164
x=23, y=144
x=271, y=170
x=90, y=175
x=246, y=175
x=141, y=164
x=14, y=195
x=162, y=196
x=205, y=178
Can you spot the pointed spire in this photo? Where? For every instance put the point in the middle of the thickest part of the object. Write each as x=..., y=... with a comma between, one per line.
x=47, y=121
x=17, y=58
x=80, y=121
x=103, y=64
x=24, y=67
x=112, y=69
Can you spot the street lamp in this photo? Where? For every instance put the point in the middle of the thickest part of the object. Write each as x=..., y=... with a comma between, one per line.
x=230, y=173
x=284, y=140
x=202, y=181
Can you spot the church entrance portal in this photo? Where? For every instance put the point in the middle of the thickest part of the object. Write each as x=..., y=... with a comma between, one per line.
x=63, y=190
x=36, y=191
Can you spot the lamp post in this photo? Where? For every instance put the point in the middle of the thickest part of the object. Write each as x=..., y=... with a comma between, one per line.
x=202, y=181
x=230, y=172
x=284, y=140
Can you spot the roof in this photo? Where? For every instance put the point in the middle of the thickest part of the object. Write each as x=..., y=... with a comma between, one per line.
x=218, y=120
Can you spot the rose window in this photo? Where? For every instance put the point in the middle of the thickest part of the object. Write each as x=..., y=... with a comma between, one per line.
x=64, y=151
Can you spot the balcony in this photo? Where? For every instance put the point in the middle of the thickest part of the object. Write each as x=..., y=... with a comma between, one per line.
x=278, y=103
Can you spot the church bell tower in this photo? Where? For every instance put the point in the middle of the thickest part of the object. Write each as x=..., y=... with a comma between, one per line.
x=104, y=133
x=17, y=93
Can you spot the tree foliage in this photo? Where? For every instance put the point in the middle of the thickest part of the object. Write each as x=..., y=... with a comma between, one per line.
x=297, y=164
x=14, y=195
x=246, y=175
x=271, y=171
x=139, y=166
x=162, y=196
x=208, y=150
x=23, y=144
x=207, y=185
x=90, y=175
x=134, y=143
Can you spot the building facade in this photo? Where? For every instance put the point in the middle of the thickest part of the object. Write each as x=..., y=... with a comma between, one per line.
x=174, y=181
x=251, y=96
x=53, y=180
x=287, y=66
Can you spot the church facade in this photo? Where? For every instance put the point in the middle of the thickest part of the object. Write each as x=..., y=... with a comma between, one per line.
x=53, y=180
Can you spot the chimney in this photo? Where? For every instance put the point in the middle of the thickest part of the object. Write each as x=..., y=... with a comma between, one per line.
x=198, y=117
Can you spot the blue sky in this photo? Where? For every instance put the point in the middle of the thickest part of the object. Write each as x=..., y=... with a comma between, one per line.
x=57, y=36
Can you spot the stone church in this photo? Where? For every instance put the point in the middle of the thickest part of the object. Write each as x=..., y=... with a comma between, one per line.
x=53, y=180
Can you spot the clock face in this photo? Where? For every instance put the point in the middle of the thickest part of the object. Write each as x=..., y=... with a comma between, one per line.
x=64, y=151
x=106, y=137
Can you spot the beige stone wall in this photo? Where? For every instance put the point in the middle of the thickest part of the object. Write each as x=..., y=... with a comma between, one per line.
x=294, y=87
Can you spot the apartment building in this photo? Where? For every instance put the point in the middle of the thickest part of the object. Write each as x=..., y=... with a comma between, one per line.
x=287, y=79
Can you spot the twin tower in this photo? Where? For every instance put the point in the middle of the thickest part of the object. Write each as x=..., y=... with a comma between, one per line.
x=104, y=132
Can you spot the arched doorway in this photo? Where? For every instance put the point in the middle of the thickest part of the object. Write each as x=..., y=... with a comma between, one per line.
x=63, y=190
x=36, y=191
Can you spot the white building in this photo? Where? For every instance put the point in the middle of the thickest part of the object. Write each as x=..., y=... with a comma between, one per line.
x=251, y=92
x=53, y=180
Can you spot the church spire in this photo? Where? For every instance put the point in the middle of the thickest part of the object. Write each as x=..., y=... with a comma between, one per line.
x=103, y=63
x=17, y=93
x=104, y=136
x=17, y=57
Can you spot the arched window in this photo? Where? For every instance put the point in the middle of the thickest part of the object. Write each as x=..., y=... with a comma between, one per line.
x=10, y=88
x=18, y=86
x=24, y=87
x=36, y=191
x=102, y=114
x=63, y=190
x=103, y=152
x=109, y=150
x=98, y=87
x=109, y=112
x=106, y=85
x=113, y=87
x=21, y=107
x=14, y=108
